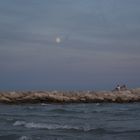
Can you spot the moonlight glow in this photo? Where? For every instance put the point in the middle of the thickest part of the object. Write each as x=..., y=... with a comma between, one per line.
x=58, y=40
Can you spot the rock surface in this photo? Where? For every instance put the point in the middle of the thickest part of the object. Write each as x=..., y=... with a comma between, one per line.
x=18, y=97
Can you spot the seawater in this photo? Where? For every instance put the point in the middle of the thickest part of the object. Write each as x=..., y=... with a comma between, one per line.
x=97, y=121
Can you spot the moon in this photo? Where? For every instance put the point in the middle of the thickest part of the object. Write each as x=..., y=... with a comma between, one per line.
x=58, y=40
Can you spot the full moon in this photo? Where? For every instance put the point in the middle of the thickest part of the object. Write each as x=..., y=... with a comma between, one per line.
x=58, y=40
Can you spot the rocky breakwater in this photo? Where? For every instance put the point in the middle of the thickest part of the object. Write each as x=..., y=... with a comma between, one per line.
x=18, y=97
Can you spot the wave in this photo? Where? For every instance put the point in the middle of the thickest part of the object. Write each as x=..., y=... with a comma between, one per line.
x=59, y=110
x=32, y=125
x=25, y=138
x=9, y=137
x=14, y=137
x=70, y=128
x=42, y=125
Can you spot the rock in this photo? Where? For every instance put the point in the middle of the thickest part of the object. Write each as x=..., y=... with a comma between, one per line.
x=132, y=95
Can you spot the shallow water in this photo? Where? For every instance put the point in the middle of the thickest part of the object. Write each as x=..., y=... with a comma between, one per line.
x=104, y=121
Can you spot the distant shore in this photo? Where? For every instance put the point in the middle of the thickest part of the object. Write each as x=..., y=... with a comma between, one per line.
x=18, y=97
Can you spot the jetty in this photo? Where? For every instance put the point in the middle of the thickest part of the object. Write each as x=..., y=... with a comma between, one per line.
x=19, y=97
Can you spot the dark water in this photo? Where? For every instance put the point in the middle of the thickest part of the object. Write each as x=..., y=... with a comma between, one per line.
x=70, y=122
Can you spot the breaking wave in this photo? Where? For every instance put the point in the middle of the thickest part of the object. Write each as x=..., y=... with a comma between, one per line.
x=74, y=129
x=32, y=125
x=25, y=138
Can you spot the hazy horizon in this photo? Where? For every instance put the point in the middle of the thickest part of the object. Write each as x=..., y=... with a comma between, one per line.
x=69, y=44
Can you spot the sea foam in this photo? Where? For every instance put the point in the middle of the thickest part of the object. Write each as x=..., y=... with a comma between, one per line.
x=33, y=125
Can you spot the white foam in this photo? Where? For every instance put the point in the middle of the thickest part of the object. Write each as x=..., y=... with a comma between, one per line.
x=97, y=104
x=48, y=126
x=43, y=125
x=19, y=123
x=33, y=125
x=24, y=138
x=43, y=104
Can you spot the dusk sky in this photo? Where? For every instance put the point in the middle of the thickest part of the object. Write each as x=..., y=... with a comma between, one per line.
x=69, y=44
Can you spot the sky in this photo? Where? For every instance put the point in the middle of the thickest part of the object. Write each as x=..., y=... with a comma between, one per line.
x=69, y=44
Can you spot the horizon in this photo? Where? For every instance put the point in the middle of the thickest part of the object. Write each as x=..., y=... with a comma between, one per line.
x=69, y=45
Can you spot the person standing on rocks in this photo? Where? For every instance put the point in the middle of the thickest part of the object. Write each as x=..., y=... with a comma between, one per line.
x=123, y=87
x=118, y=88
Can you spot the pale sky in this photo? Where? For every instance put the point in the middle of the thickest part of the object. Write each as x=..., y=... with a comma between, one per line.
x=69, y=44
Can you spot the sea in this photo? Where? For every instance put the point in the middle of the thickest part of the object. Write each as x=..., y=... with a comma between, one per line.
x=83, y=121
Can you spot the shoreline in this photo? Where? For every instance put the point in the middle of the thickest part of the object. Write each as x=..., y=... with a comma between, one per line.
x=32, y=97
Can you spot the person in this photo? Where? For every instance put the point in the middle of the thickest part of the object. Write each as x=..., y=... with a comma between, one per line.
x=123, y=87
x=118, y=88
